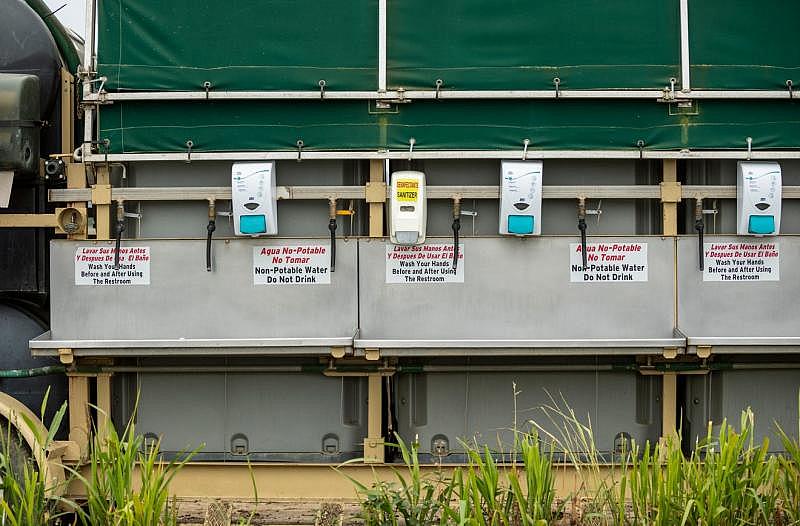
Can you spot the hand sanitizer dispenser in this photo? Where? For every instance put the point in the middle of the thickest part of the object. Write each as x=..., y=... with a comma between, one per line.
x=758, y=198
x=254, y=199
x=407, y=210
x=521, y=198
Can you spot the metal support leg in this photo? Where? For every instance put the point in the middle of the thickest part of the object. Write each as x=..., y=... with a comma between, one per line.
x=669, y=405
x=79, y=423
x=103, y=405
x=373, y=444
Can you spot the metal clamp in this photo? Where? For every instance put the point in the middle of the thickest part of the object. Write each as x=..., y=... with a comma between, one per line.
x=300, y=145
x=789, y=85
x=207, y=87
x=557, y=84
x=189, y=146
x=749, y=147
x=411, y=142
x=640, y=144
x=322, y=85
x=525, y=145
x=439, y=83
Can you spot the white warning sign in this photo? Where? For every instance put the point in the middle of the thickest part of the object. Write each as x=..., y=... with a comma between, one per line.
x=741, y=262
x=608, y=262
x=292, y=265
x=95, y=266
x=427, y=263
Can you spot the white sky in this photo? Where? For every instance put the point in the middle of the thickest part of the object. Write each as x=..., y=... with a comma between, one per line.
x=72, y=15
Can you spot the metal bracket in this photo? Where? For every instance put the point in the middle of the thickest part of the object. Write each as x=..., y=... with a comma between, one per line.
x=703, y=351
x=65, y=356
x=439, y=83
x=373, y=450
x=338, y=352
x=411, y=142
x=207, y=87
x=300, y=145
x=101, y=194
x=375, y=192
x=525, y=145
x=640, y=144
x=189, y=146
x=789, y=85
x=322, y=85
x=670, y=353
x=557, y=84
x=372, y=355
x=749, y=147
x=670, y=192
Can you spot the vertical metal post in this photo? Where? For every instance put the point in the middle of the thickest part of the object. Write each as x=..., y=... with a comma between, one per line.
x=79, y=412
x=89, y=66
x=669, y=405
x=103, y=405
x=382, y=45
x=102, y=209
x=376, y=209
x=670, y=209
x=686, y=85
x=373, y=444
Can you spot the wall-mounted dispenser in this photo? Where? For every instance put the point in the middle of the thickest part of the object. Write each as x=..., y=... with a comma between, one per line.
x=408, y=213
x=254, y=199
x=521, y=198
x=758, y=198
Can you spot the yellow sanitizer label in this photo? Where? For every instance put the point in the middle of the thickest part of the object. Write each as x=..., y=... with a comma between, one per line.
x=407, y=189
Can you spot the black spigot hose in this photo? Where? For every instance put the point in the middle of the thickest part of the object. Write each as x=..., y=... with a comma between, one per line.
x=456, y=228
x=212, y=225
x=332, y=228
x=120, y=229
x=582, y=228
x=700, y=227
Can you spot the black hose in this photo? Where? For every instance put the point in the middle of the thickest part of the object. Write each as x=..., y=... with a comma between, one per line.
x=120, y=230
x=332, y=228
x=212, y=225
x=700, y=227
x=456, y=228
x=582, y=228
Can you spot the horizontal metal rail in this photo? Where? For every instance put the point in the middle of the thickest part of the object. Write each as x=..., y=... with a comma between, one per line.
x=289, y=155
x=223, y=193
x=400, y=95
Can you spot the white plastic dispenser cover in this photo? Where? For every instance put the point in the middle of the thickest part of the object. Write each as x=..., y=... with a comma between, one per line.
x=758, y=198
x=408, y=213
x=254, y=199
x=521, y=198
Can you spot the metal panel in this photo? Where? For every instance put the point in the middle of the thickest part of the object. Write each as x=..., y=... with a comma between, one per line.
x=480, y=406
x=771, y=394
x=748, y=310
x=185, y=301
x=275, y=418
x=517, y=289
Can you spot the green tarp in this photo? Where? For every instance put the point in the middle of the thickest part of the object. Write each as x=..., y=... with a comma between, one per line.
x=498, y=125
x=744, y=44
x=469, y=45
x=237, y=45
x=524, y=44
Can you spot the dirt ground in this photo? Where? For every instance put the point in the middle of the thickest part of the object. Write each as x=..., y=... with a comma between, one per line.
x=200, y=512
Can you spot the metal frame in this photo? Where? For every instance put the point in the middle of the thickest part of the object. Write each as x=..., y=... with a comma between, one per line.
x=686, y=86
x=399, y=95
x=223, y=193
x=44, y=345
x=292, y=155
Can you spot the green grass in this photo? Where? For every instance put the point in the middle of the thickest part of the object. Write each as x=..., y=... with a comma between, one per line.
x=728, y=480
